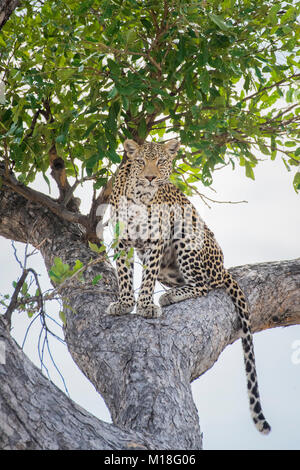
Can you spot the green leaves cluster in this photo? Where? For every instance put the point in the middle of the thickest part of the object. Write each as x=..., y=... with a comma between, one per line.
x=60, y=271
x=222, y=76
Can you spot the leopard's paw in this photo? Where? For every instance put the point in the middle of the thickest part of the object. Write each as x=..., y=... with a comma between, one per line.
x=119, y=308
x=173, y=296
x=166, y=299
x=149, y=311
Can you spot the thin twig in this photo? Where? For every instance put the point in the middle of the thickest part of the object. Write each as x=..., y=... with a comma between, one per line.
x=203, y=196
x=280, y=82
x=16, y=255
x=13, y=301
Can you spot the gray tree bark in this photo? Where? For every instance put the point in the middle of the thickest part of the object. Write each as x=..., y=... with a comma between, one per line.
x=142, y=367
x=6, y=9
x=35, y=414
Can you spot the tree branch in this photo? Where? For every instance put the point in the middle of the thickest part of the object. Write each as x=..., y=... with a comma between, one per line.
x=39, y=198
x=35, y=414
x=6, y=9
x=14, y=298
x=262, y=90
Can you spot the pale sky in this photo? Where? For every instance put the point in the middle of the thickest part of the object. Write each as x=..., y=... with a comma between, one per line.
x=267, y=228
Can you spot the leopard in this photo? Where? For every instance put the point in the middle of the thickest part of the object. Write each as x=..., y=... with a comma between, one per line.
x=156, y=219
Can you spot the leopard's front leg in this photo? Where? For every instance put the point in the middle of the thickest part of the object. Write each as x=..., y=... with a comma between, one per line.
x=151, y=261
x=126, y=301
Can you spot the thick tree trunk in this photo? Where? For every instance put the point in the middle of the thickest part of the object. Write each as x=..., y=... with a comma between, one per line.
x=142, y=367
x=35, y=414
x=6, y=9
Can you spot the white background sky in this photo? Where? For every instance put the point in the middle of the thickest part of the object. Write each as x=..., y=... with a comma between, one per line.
x=267, y=228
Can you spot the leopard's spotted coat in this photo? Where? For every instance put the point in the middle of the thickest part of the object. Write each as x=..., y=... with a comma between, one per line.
x=174, y=245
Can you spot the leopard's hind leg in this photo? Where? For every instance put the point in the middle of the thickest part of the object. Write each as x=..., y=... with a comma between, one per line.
x=194, y=276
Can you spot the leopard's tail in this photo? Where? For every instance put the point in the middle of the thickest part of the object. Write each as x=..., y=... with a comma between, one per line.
x=240, y=302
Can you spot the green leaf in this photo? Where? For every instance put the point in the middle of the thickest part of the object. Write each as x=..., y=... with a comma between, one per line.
x=91, y=162
x=61, y=139
x=96, y=279
x=296, y=182
x=263, y=148
x=142, y=129
x=290, y=143
x=2, y=42
x=93, y=247
x=273, y=147
x=118, y=254
x=130, y=37
x=113, y=92
x=272, y=15
x=114, y=67
x=62, y=316
x=113, y=156
x=24, y=288
x=218, y=20
x=65, y=74
x=83, y=7
x=249, y=170
x=147, y=24
x=130, y=253
x=289, y=95
x=288, y=15
x=60, y=266
x=47, y=181
x=78, y=265
x=97, y=249
x=100, y=183
x=204, y=81
x=286, y=165
x=89, y=129
x=59, y=271
x=119, y=228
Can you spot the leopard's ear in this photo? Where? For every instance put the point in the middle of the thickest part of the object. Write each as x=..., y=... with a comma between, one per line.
x=130, y=146
x=172, y=147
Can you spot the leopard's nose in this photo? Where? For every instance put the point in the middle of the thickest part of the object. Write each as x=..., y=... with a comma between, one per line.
x=150, y=178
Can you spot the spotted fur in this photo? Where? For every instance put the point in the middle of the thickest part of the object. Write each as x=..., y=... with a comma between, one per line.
x=174, y=245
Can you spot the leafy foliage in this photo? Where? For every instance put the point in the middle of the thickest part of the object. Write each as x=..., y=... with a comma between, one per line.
x=220, y=75
x=60, y=271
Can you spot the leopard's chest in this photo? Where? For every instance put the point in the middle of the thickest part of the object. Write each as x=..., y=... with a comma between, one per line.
x=144, y=225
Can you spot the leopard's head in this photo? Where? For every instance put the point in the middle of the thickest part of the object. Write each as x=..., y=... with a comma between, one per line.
x=151, y=162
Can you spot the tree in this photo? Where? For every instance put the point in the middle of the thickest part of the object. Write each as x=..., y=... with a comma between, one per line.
x=79, y=79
